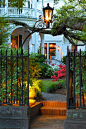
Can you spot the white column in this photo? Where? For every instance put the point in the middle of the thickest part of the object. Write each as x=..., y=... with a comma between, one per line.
x=34, y=42
x=42, y=44
x=85, y=47
x=56, y=52
x=42, y=3
x=30, y=42
x=47, y=50
x=35, y=7
x=9, y=41
x=6, y=6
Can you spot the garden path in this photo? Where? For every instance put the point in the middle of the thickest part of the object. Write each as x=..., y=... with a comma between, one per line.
x=48, y=122
x=53, y=97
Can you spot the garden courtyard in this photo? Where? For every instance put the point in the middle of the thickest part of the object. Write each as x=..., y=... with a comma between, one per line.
x=44, y=92
x=50, y=120
x=35, y=92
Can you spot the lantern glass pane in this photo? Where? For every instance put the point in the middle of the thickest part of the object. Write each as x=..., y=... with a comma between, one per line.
x=48, y=15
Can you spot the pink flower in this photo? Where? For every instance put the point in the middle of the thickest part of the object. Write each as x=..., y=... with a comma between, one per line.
x=59, y=84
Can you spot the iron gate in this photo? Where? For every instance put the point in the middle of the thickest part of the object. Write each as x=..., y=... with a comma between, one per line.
x=14, y=77
x=76, y=79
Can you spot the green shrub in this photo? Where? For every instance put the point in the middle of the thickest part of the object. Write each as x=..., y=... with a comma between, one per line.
x=60, y=84
x=43, y=68
x=40, y=84
x=40, y=58
x=64, y=59
x=51, y=71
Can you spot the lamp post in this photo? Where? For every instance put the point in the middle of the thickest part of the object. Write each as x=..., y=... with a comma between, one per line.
x=48, y=14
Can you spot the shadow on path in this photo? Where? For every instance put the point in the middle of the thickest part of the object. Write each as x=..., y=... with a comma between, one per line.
x=48, y=122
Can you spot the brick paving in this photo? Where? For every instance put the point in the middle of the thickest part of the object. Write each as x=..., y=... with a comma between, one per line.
x=48, y=122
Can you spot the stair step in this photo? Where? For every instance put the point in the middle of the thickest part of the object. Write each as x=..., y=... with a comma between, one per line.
x=53, y=111
x=54, y=104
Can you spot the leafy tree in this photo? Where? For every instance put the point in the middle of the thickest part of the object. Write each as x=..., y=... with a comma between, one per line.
x=69, y=20
x=4, y=30
x=17, y=3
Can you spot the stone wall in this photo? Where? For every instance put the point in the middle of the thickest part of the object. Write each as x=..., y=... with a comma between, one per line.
x=35, y=110
x=14, y=117
x=18, y=117
x=76, y=119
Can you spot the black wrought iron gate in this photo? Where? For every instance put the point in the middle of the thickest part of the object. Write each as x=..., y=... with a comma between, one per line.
x=76, y=79
x=14, y=77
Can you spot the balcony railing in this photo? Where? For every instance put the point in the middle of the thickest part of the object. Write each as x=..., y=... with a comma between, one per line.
x=14, y=12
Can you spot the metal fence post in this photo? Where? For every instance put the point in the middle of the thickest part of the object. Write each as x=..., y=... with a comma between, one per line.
x=67, y=78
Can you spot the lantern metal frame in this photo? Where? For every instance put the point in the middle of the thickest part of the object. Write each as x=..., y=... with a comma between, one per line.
x=41, y=23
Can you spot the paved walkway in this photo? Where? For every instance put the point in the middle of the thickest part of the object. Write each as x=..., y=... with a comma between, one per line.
x=54, y=97
x=48, y=122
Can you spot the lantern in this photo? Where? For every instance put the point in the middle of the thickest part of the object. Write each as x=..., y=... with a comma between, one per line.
x=48, y=13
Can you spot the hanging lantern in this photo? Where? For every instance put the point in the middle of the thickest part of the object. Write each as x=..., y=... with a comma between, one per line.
x=58, y=48
x=48, y=13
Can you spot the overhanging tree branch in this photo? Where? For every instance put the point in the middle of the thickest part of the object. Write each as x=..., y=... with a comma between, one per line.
x=61, y=29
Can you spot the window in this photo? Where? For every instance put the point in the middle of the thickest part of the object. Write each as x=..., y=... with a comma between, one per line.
x=31, y=6
x=28, y=4
x=52, y=50
x=45, y=50
x=14, y=42
x=73, y=47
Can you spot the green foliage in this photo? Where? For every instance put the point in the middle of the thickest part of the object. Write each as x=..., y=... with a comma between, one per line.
x=34, y=66
x=50, y=71
x=44, y=68
x=51, y=86
x=38, y=84
x=33, y=73
x=4, y=30
x=64, y=59
x=40, y=58
x=41, y=67
x=39, y=50
x=69, y=16
x=77, y=72
x=54, y=87
x=17, y=3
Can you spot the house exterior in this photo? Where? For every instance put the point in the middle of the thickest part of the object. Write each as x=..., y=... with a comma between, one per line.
x=29, y=15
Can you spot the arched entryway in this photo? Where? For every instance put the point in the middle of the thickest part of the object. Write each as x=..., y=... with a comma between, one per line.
x=17, y=37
